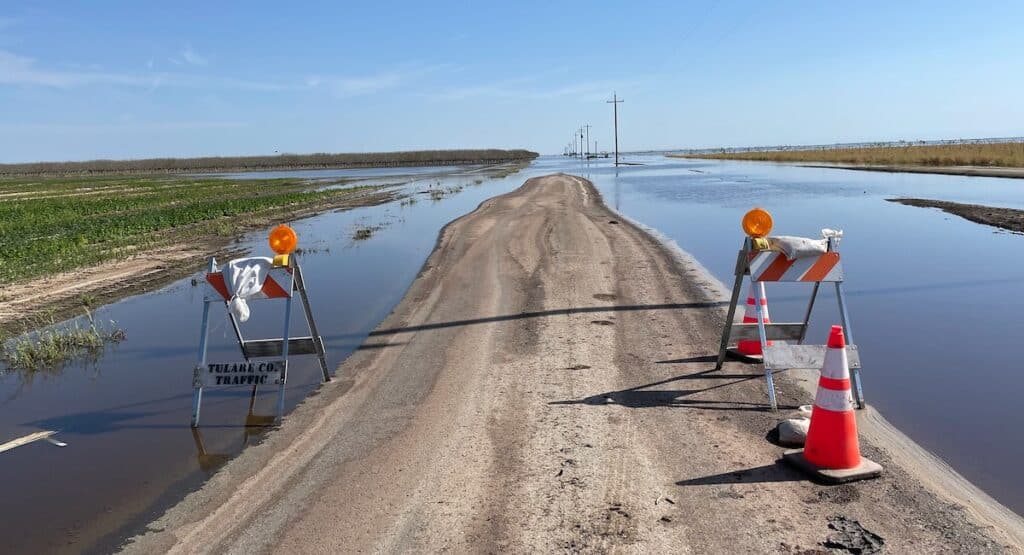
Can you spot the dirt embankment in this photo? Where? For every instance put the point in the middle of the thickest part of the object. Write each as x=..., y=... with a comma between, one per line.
x=547, y=385
x=1009, y=219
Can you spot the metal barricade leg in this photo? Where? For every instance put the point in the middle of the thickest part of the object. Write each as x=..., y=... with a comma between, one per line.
x=318, y=341
x=727, y=329
x=284, y=350
x=858, y=391
x=741, y=270
x=758, y=299
x=197, y=384
x=807, y=315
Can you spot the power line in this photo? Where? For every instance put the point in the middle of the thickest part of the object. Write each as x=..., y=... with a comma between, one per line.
x=615, y=101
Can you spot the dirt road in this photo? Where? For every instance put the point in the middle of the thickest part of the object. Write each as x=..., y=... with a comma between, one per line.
x=546, y=385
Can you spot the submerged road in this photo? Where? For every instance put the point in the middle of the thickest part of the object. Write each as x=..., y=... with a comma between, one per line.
x=546, y=384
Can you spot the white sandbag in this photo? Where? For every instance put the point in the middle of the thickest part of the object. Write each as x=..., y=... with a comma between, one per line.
x=793, y=431
x=798, y=247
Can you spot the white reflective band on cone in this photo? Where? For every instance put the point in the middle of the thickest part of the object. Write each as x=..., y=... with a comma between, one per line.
x=836, y=365
x=833, y=400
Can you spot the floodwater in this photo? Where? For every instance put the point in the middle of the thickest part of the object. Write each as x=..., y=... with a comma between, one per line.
x=930, y=296
x=933, y=299
x=125, y=418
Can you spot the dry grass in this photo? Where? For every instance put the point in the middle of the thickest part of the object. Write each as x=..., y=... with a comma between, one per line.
x=283, y=161
x=1007, y=155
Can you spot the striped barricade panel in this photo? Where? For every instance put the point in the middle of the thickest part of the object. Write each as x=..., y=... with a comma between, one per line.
x=275, y=285
x=774, y=266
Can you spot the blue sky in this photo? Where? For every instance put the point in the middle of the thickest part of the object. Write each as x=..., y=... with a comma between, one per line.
x=83, y=80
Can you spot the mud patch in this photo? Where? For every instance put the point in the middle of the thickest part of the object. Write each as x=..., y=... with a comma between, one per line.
x=839, y=495
x=578, y=367
x=605, y=297
x=602, y=322
x=851, y=537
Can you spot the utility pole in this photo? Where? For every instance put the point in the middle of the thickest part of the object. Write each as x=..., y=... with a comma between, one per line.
x=615, y=101
x=582, y=147
x=587, y=127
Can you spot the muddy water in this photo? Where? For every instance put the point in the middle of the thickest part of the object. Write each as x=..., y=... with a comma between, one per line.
x=931, y=297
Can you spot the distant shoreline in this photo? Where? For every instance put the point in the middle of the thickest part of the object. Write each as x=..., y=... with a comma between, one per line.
x=221, y=164
x=968, y=171
x=983, y=159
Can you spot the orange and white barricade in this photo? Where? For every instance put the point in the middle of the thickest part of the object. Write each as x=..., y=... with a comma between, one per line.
x=265, y=360
x=765, y=266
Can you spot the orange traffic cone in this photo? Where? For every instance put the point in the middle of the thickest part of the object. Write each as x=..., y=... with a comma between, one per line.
x=832, y=450
x=752, y=347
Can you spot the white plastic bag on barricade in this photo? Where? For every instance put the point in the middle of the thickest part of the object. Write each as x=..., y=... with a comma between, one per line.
x=244, y=278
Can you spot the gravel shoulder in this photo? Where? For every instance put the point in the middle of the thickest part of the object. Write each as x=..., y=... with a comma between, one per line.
x=547, y=384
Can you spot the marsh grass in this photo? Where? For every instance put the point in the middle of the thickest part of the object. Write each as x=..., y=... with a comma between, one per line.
x=53, y=345
x=438, y=192
x=364, y=232
x=1009, y=155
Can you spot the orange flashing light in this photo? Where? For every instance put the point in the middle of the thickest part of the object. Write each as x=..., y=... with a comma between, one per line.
x=757, y=223
x=283, y=239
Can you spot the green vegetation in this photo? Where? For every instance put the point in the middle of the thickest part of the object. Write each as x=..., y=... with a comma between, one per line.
x=1010, y=155
x=364, y=232
x=53, y=346
x=283, y=161
x=437, y=192
x=56, y=224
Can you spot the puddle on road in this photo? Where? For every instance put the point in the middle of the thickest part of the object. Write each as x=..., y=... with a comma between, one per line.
x=931, y=298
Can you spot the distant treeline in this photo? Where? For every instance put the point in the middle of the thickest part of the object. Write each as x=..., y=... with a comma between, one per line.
x=1002, y=154
x=277, y=162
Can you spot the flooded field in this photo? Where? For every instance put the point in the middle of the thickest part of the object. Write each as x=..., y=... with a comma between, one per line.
x=125, y=417
x=931, y=298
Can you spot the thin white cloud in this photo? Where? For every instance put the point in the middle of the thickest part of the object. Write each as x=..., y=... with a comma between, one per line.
x=188, y=56
x=536, y=88
x=22, y=70
x=343, y=87
x=191, y=57
x=125, y=125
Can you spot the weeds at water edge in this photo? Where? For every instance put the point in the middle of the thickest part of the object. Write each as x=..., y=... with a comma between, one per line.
x=52, y=345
